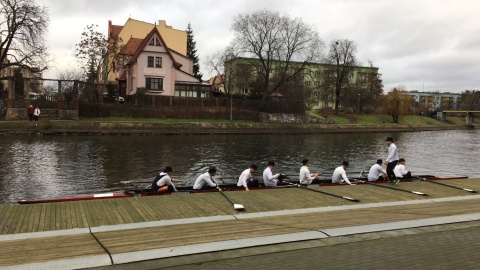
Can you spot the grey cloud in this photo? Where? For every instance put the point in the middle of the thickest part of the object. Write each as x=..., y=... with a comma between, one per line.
x=428, y=43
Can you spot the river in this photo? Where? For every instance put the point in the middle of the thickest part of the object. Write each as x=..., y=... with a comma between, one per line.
x=39, y=166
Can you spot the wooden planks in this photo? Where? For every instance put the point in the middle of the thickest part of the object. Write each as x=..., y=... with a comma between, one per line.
x=82, y=214
x=48, y=249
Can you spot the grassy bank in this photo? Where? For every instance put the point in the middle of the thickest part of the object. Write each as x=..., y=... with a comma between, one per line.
x=342, y=119
x=150, y=126
x=382, y=119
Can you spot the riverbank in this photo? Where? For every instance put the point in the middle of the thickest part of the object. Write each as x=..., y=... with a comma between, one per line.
x=135, y=127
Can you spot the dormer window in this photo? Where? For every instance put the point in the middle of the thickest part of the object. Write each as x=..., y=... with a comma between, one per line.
x=155, y=42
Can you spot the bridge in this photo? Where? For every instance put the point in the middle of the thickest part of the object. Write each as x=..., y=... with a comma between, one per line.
x=469, y=115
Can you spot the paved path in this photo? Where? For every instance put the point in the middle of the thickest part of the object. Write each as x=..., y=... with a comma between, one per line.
x=455, y=249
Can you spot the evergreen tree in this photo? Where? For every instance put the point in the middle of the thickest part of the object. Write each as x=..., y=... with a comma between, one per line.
x=19, y=83
x=192, y=52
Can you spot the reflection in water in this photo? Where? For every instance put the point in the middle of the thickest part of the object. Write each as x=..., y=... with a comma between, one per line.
x=47, y=166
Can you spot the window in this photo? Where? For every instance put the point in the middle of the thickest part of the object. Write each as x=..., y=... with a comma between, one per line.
x=150, y=61
x=154, y=84
x=155, y=42
x=158, y=62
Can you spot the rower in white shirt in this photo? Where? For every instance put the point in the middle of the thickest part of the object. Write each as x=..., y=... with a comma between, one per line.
x=400, y=171
x=305, y=177
x=206, y=180
x=270, y=179
x=245, y=177
x=340, y=175
x=391, y=160
x=377, y=173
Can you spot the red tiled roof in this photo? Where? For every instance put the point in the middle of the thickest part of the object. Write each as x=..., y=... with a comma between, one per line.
x=132, y=46
x=114, y=30
x=123, y=76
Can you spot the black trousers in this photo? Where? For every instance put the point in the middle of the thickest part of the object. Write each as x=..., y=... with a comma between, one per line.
x=391, y=165
x=407, y=176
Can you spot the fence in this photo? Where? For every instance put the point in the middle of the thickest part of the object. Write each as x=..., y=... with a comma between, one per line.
x=189, y=108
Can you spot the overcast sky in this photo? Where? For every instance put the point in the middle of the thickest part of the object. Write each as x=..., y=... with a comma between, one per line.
x=426, y=45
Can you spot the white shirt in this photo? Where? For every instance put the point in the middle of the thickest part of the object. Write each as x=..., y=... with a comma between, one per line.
x=339, y=175
x=400, y=170
x=269, y=178
x=375, y=171
x=243, y=179
x=392, y=153
x=36, y=112
x=204, y=178
x=305, y=177
x=165, y=180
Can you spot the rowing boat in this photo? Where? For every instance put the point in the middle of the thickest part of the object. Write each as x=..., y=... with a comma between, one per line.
x=189, y=190
x=142, y=193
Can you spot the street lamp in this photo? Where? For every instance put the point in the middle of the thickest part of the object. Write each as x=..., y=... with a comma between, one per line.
x=359, y=104
x=414, y=113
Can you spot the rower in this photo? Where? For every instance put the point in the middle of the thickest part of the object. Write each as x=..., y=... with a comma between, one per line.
x=269, y=179
x=400, y=171
x=305, y=177
x=339, y=175
x=163, y=182
x=245, y=180
x=206, y=180
x=377, y=173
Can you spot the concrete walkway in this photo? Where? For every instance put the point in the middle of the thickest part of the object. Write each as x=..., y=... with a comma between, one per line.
x=453, y=248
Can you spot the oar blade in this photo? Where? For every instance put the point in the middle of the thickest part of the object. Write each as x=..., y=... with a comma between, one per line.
x=419, y=193
x=470, y=190
x=351, y=199
x=238, y=207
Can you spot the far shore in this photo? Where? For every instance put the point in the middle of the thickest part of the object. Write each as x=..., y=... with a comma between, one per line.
x=136, y=127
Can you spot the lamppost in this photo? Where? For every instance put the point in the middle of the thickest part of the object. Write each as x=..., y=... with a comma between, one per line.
x=414, y=101
x=359, y=104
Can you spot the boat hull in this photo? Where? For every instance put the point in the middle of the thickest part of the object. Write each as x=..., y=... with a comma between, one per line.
x=189, y=190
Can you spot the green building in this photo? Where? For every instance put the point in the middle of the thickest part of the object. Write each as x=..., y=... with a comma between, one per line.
x=312, y=83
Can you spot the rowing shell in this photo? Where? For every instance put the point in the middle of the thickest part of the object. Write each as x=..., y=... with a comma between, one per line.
x=189, y=190
x=141, y=193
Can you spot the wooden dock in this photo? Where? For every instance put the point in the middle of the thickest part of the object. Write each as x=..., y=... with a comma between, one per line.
x=83, y=234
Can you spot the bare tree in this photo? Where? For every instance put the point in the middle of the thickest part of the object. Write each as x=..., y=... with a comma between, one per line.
x=470, y=100
x=23, y=26
x=361, y=95
x=397, y=102
x=91, y=52
x=217, y=63
x=279, y=44
x=341, y=56
x=98, y=55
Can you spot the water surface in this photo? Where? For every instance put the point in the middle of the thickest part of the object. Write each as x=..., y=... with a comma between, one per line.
x=47, y=166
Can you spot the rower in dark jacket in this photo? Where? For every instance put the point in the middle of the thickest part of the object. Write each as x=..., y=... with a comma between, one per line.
x=163, y=182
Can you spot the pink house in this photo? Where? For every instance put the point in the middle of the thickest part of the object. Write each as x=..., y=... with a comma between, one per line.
x=149, y=63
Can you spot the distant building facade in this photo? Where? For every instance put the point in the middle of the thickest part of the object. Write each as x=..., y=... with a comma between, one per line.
x=317, y=78
x=436, y=101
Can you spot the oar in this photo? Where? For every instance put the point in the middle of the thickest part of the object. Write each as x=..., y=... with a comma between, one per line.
x=442, y=184
x=323, y=192
x=128, y=182
x=235, y=205
x=378, y=185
